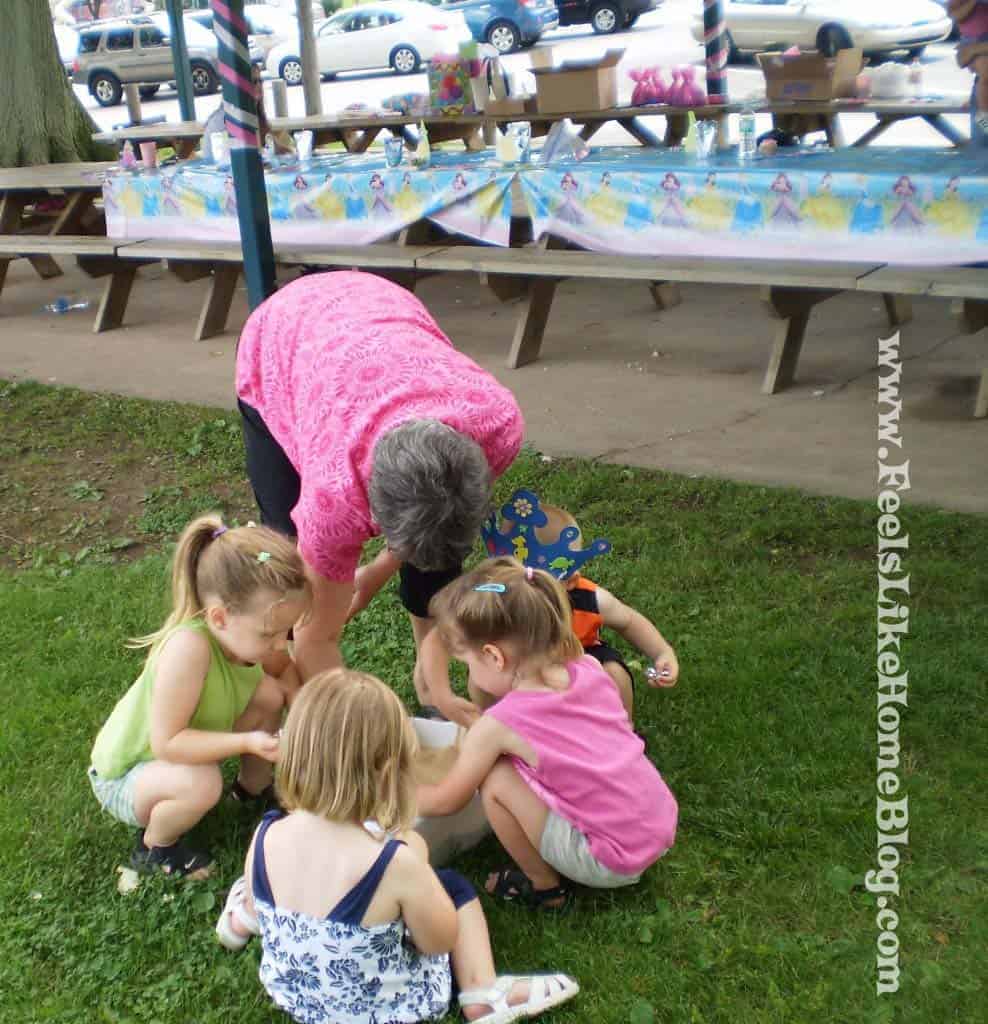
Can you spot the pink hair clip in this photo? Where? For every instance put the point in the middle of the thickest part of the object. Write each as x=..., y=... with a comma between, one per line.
x=529, y=573
x=219, y=531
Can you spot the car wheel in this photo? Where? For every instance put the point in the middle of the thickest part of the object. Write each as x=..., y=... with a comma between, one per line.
x=290, y=69
x=204, y=80
x=504, y=37
x=148, y=91
x=404, y=60
x=106, y=88
x=605, y=18
x=832, y=38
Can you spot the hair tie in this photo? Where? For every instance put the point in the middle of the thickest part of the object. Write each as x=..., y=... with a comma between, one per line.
x=529, y=573
x=219, y=531
x=263, y=556
x=490, y=588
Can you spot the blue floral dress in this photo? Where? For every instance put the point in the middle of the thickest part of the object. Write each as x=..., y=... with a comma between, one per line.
x=333, y=969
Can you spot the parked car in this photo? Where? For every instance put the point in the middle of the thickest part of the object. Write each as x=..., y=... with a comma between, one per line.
x=605, y=16
x=879, y=26
x=67, y=41
x=118, y=52
x=266, y=28
x=400, y=34
x=507, y=25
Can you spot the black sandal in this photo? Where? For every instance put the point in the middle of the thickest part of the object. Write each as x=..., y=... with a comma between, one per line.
x=177, y=860
x=514, y=886
x=263, y=801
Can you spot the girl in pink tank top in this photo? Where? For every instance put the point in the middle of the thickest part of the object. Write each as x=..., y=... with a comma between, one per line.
x=565, y=781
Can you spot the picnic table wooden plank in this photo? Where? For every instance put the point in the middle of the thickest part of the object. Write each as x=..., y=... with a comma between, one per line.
x=48, y=177
x=65, y=245
x=950, y=282
x=385, y=255
x=170, y=249
x=575, y=263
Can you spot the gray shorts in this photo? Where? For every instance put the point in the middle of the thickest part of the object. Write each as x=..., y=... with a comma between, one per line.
x=116, y=796
x=566, y=848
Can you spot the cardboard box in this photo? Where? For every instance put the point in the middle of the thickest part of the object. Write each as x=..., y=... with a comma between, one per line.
x=511, y=105
x=811, y=76
x=575, y=85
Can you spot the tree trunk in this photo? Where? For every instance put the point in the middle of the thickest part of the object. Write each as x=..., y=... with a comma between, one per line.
x=41, y=119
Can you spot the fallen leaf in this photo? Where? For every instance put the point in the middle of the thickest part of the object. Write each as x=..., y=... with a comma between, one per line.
x=128, y=881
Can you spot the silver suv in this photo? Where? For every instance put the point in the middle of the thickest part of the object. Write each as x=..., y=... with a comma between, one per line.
x=115, y=53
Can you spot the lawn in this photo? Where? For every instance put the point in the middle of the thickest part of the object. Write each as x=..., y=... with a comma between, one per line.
x=758, y=914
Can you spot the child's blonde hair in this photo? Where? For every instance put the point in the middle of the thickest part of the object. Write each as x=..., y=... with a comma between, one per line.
x=229, y=565
x=526, y=610
x=346, y=752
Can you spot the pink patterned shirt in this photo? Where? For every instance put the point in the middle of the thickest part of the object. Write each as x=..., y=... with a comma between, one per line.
x=334, y=361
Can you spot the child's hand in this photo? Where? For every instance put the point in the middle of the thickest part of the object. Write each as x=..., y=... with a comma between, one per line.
x=458, y=709
x=262, y=744
x=666, y=670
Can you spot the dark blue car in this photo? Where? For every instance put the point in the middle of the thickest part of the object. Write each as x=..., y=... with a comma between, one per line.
x=507, y=25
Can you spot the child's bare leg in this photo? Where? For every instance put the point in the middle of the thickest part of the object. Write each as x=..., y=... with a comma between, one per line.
x=263, y=712
x=622, y=681
x=518, y=818
x=473, y=960
x=171, y=798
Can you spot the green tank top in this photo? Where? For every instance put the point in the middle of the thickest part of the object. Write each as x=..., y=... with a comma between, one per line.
x=125, y=739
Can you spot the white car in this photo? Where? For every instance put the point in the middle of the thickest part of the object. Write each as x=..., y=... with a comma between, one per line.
x=270, y=27
x=400, y=34
x=196, y=36
x=876, y=26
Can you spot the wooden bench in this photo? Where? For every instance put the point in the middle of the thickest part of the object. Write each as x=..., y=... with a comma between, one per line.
x=96, y=256
x=790, y=291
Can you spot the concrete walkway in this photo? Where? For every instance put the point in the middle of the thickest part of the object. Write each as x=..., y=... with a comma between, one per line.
x=618, y=379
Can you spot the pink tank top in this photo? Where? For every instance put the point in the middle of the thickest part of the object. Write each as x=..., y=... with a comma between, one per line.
x=332, y=362
x=592, y=769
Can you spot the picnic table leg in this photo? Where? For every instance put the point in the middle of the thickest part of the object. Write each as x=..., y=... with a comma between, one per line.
x=639, y=131
x=11, y=213
x=113, y=305
x=939, y=123
x=666, y=294
x=69, y=221
x=883, y=125
x=793, y=307
x=534, y=313
x=835, y=135
x=899, y=308
x=974, y=318
x=216, y=309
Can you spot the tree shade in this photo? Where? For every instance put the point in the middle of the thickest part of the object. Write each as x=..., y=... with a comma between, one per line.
x=41, y=119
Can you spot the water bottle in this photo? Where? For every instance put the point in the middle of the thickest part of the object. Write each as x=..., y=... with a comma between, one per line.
x=747, y=143
x=916, y=79
x=63, y=304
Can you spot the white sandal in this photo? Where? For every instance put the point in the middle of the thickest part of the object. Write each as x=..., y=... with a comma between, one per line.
x=544, y=992
x=235, y=909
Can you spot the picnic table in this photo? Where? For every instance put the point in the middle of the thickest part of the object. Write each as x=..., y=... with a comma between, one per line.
x=24, y=191
x=800, y=117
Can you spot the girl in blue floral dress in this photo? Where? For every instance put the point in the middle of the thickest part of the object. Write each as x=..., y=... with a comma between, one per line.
x=355, y=925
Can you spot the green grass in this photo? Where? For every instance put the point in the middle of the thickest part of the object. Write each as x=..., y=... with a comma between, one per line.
x=756, y=915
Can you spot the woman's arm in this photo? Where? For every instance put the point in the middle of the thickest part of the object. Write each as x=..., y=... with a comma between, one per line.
x=434, y=663
x=641, y=634
x=370, y=578
x=317, y=642
x=180, y=673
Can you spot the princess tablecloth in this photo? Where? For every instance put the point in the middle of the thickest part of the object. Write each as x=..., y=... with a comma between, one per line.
x=903, y=206
x=345, y=199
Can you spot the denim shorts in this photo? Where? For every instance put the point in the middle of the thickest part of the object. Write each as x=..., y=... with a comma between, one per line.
x=566, y=848
x=116, y=796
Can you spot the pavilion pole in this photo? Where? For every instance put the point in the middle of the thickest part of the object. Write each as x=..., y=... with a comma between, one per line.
x=180, y=58
x=311, y=87
x=715, y=43
x=240, y=107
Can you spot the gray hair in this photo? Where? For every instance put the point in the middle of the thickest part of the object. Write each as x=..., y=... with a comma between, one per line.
x=430, y=490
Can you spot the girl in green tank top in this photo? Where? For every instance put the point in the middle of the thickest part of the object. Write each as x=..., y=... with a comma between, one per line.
x=215, y=685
